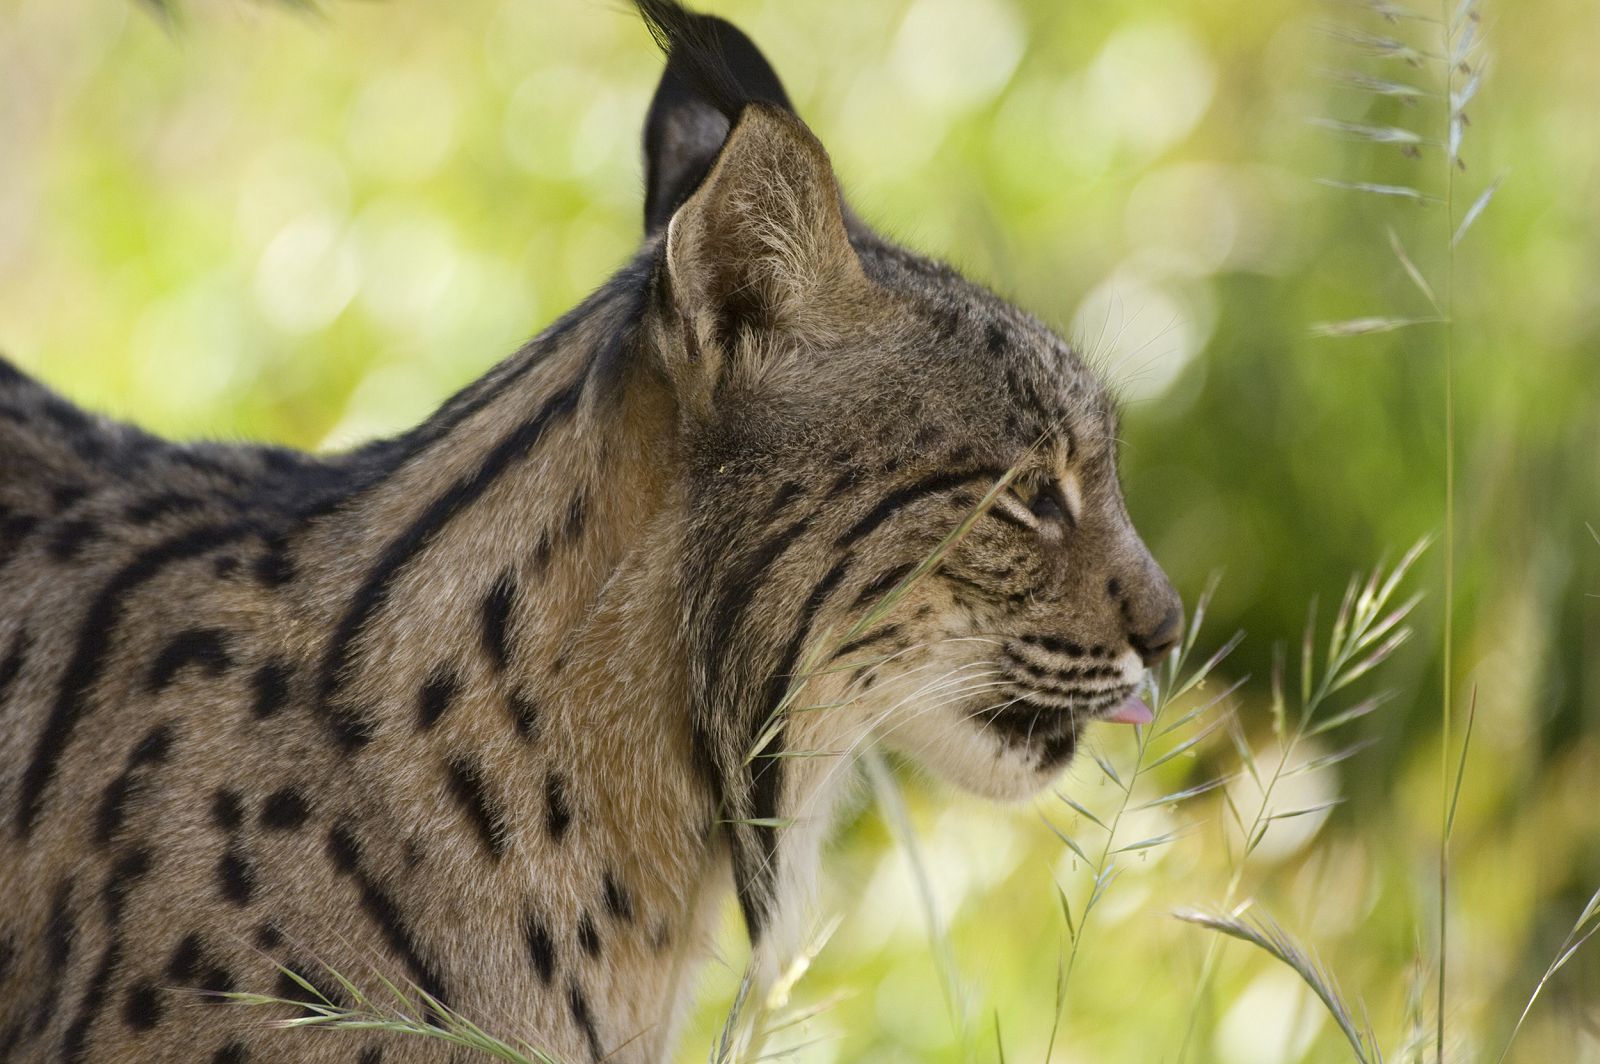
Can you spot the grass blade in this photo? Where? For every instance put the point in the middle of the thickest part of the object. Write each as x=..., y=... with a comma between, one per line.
x=1368, y=326
x=1412, y=272
x=1265, y=934
x=1475, y=210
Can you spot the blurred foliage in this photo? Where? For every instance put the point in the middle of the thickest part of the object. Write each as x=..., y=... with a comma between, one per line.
x=310, y=226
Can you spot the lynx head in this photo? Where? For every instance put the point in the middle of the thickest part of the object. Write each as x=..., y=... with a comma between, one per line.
x=843, y=406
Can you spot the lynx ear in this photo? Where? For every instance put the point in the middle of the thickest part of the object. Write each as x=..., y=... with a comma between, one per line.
x=760, y=247
x=686, y=126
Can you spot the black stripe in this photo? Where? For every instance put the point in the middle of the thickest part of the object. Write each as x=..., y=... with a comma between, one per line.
x=143, y=511
x=126, y=872
x=618, y=902
x=557, y=815
x=69, y=537
x=14, y=529
x=524, y=713
x=59, y=932
x=467, y=786
x=882, y=583
x=890, y=504
x=76, y=1040
x=206, y=648
x=89, y=656
x=541, y=948
x=785, y=494
x=374, y=591
x=151, y=750
x=579, y=1007
x=497, y=607
x=766, y=768
x=381, y=908
x=588, y=935
x=11, y=667
x=888, y=631
x=630, y=285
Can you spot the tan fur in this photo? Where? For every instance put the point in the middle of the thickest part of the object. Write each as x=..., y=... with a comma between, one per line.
x=604, y=567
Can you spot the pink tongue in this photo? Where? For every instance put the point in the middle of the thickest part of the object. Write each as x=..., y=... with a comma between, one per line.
x=1133, y=711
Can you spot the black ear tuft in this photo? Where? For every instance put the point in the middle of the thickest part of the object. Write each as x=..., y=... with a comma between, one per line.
x=713, y=71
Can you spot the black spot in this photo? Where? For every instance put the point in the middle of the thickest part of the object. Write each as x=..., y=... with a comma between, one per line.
x=995, y=339
x=14, y=528
x=588, y=936
x=215, y=983
x=557, y=816
x=284, y=809
x=8, y=956
x=270, y=687
x=67, y=495
x=274, y=568
x=414, y=854
x=541, y=948
x=468, y=787
x=268, y=937
x=69, y=537
x=1114, y=588
x=232, y=1053
x=225, y=566
x=841, y=484
x=186, y=958
x=496, y=610
x=126, y=872
x=227, y=809
x=351, y=730
x=235, y=875
x=579, y=1006
x=439, y=691
x=524, y=714
x=618, y=903
x=206, y=648
x=142, y=1008
x=303, y=989
x=371, y=1055
x=542, y=552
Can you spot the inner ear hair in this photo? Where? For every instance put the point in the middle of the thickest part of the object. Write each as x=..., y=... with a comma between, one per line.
x=762, y=244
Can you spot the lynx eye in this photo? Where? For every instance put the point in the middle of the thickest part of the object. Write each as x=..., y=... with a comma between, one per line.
x=1040, y=497
x=1047, y=507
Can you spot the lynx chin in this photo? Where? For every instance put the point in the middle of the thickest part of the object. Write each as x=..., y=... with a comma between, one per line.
x=503, y=706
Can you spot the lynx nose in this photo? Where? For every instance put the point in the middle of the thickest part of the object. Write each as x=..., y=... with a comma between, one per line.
x=1153, y=645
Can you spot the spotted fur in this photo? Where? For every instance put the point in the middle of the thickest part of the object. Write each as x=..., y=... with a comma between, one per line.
x=490, y=708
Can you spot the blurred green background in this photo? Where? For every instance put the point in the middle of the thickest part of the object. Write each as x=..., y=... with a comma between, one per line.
x=311, y=227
